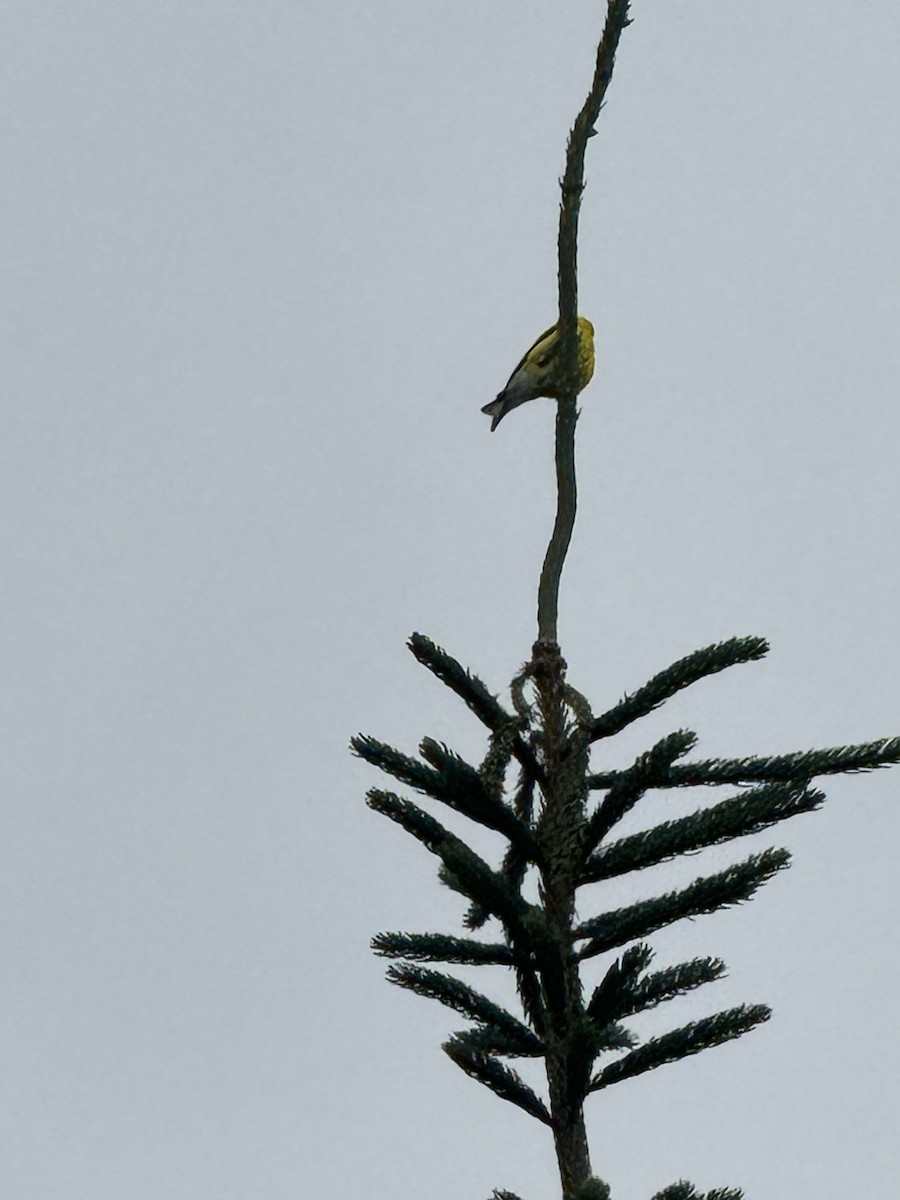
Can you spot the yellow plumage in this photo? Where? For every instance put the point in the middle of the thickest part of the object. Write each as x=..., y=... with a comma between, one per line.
x=538, y=373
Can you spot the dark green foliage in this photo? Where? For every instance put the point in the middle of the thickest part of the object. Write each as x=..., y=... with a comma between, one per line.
x=519, y=1039
x=678, y=1191
x=552, y=837
x=731, y=886
x=471, y=874
x=686, y=1191
x=401, y=766
x=451, y=781
x=747, y=813
x=468, y=687
x=784, y=768
x=593, y=1189
x=611, y=1037
x=515, y=863
x=491, y=1039
x=631, y=785
x=671, y=982
x=438, y=947
x=503, y=1081
x=624, y=992
x=611, y=997
x=689, y=1039
x=681, y=674
x=464, y=788
x=486, y=707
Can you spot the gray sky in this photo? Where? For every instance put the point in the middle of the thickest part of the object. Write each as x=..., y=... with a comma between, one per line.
x=263, y=264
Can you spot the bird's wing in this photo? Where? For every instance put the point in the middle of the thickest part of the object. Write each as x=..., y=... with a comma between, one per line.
x=545, y=356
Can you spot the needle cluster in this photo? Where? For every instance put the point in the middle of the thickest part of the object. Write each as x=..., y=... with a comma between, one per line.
x=535, y=787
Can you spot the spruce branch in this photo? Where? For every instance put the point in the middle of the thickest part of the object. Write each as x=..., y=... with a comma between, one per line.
x=631, y=784
x=689, y=1039
x=531, y=993
x=483, y=703
x=612, y=1036
x=439, y=947
x=515, y=863
x=469, y=871
x=451, y=781
x=464, y=789
x=784, y=768
x=456, y=994
x=624, y=992
x=502, y=1080
x=670, y=983
x=493, y=768
x=593, y=1189
x=490, y=1039
x=608, y=1001
x=486, y=707
x=708, y=661
x=686, y=1191
x=736, y=817
x=734, y=885
x=397, y=764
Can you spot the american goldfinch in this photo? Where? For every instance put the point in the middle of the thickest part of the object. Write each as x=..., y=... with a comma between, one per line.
x=538, y=375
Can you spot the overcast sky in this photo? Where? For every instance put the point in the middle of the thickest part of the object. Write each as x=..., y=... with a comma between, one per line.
x=263, y=263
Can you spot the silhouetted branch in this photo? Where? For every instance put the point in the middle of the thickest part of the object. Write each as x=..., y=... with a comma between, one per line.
x=572, y=185
x=689, y=1039
x=502, y=1080
x=440, y=947
x=734, y=885
x=739, y=816
x=784, y=768
x=708, y=661
x=486, y=707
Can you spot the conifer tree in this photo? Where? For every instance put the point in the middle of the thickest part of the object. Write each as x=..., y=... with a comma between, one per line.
x=535, y=786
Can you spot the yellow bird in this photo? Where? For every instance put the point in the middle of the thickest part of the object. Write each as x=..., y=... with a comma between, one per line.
x=538, y=372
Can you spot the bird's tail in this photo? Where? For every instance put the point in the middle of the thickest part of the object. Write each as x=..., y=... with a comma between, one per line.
x=497, y=410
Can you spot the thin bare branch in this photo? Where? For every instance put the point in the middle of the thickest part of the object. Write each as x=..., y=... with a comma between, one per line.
x=572, y=185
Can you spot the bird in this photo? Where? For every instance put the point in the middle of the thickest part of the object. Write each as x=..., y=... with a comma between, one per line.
x=538, y=372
